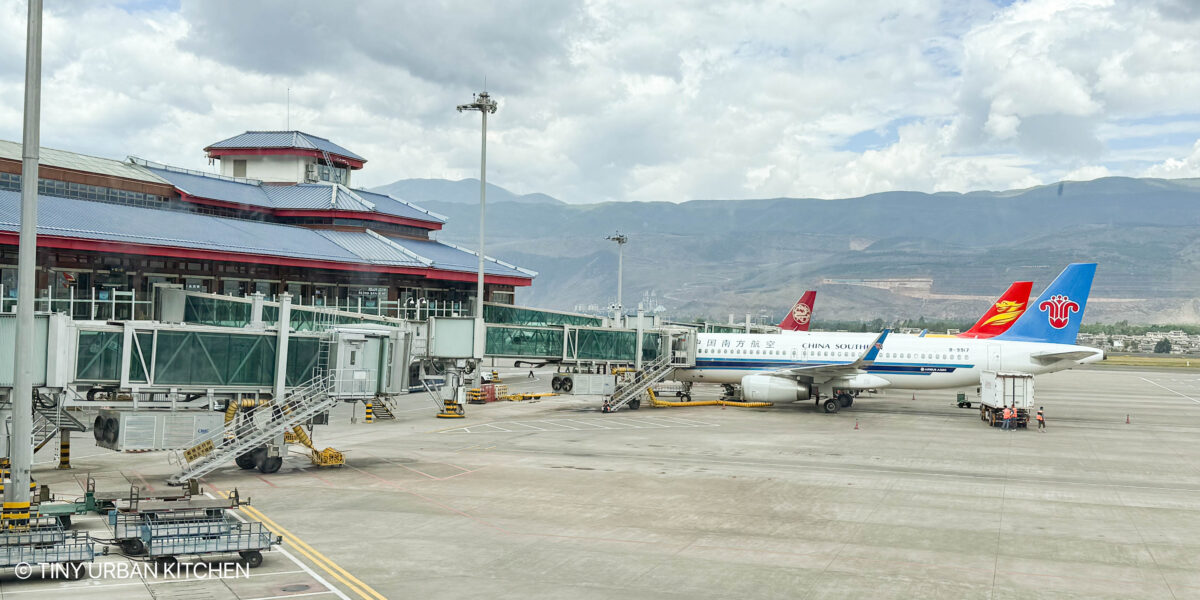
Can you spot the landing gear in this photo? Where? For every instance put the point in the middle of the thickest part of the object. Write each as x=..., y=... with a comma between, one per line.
x=832, y=405
x=845, y=399
x=248, y=460
x=269, y=464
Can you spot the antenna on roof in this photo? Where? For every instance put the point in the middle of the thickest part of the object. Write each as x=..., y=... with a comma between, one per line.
x=289, y=109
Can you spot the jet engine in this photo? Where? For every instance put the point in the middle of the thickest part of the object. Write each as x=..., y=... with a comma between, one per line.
x=766, y=388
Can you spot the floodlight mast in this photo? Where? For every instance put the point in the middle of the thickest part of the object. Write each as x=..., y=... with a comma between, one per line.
x=485, y=105
x=20, y=442
x=620, y=240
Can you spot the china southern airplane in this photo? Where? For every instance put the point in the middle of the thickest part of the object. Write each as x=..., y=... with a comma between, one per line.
x=800, y=366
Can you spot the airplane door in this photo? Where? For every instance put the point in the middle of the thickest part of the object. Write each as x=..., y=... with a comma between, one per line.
x=993, y=357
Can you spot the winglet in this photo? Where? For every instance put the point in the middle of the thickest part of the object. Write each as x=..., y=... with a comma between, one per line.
x=873, y=351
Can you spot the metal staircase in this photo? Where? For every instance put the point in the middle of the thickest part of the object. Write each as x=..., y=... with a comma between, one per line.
x=383, y=409
x=650, y=374
x=255, y=428
x=49, y=418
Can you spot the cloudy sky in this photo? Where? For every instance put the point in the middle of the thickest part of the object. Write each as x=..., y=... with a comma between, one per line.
x=634, y=100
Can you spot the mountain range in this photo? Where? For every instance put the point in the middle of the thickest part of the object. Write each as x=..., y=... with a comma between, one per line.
x=712, y=258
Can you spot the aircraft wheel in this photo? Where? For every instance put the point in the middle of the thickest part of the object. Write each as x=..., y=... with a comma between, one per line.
x=270, y=464
x=831, y=405
x=846, y=400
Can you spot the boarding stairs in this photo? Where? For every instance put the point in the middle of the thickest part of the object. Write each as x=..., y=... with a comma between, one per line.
x=255, y=428
x=383, y=409
x=49, y=418
x=642, y=380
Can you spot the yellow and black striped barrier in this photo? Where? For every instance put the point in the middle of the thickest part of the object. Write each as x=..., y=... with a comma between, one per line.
x=64, y=449
x=370, y=412
x=15, y=515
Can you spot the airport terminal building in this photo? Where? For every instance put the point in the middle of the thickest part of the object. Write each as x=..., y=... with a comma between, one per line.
x=281, y=216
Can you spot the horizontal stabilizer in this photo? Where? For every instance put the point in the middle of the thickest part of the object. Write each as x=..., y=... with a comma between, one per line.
x=1049, y=357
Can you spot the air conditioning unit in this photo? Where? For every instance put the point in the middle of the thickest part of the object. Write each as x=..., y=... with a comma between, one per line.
x=310, y=172
x=153, y=429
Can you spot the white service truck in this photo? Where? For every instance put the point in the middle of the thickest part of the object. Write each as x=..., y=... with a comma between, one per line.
x=998, y=390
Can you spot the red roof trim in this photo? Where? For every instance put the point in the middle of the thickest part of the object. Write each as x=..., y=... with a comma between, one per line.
x=383, y=218
x=353, y=163
x=186, y=197
x=366, y=216
x=49, y=241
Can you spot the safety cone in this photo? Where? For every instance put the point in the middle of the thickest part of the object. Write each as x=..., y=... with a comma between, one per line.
x=856, y=424
x=1126, y=419
x=914, y=397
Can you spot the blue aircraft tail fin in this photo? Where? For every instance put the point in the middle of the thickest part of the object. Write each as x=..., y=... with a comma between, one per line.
x=1055, y=316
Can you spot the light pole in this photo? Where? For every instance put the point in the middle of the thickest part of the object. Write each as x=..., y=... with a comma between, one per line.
x=485, y=105
x=620, y=240
x=20, y=443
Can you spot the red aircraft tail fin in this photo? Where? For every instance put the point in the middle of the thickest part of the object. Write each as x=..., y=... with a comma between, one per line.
x=797, y=319
x=1001, y=315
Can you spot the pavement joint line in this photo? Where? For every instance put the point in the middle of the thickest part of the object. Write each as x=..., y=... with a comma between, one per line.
x=311, y=553
x=770, y=466
x=1169, y=389
x=291, y=595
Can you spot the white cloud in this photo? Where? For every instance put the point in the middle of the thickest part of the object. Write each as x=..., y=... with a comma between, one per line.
x=620, y=100
x=1188, y=166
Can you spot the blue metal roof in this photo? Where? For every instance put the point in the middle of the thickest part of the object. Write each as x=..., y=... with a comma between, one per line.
x=315, y=196
x=394, y=206
x=453, y=258
x=83, y=219
x=214, y=187
x=284, y=139
x=133, y=224
x=376, y=249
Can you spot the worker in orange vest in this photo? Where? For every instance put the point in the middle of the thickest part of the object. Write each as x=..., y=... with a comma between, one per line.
x=1007, y=418
x=1041, y=419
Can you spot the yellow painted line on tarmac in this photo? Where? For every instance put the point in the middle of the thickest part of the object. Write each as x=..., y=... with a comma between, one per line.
x=335, y=570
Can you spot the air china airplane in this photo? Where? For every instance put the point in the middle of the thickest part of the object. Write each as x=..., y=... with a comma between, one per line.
x=778, y=368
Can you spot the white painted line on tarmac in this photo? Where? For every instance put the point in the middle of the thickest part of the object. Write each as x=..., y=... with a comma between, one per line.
x=304, y=567
x=1170, y=390
x=524, y=424
x=586, y=423
x=558, y=424
x=292, y=595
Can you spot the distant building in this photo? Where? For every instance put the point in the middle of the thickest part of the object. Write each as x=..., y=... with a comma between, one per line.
x=281, y=217
x=901, y=285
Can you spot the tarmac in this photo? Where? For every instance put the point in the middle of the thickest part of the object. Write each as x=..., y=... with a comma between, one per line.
x=899, y=496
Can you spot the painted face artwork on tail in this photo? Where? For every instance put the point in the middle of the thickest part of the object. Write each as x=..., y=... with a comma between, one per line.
x=1058, y=309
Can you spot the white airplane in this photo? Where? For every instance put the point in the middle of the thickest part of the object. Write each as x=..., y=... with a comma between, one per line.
x=803, y=365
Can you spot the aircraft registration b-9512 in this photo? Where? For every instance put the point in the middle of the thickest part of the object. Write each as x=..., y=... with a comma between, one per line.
x=803, y=365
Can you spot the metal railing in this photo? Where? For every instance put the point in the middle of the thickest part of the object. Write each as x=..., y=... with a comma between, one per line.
x=99, y=303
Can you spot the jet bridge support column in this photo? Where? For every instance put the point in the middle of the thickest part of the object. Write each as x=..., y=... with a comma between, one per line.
x=276, y=447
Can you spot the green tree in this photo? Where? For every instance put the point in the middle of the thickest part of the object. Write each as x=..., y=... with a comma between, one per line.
x=1163, y=346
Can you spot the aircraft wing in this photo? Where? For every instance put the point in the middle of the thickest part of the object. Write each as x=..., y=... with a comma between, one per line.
x=836, y=369
x=1048, y=357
